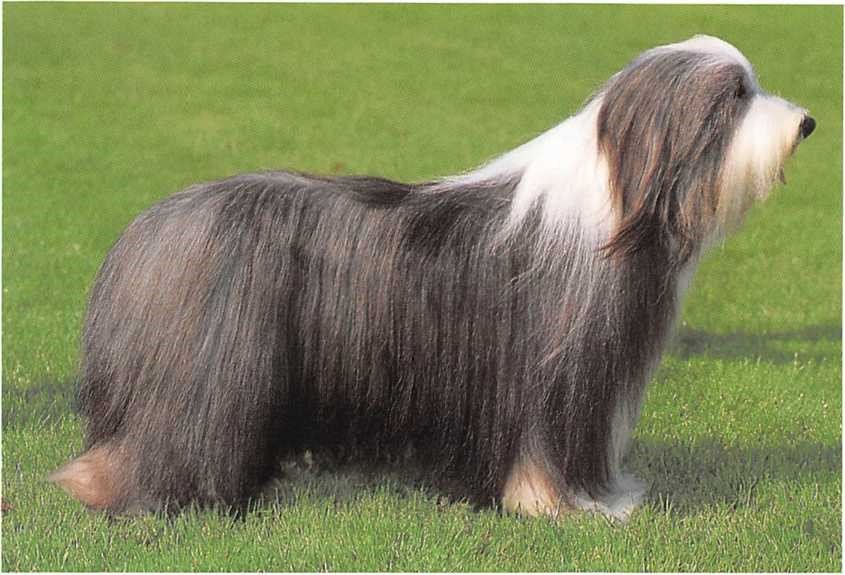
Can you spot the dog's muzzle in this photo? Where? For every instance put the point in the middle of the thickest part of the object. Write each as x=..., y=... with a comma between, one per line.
x=808, y=124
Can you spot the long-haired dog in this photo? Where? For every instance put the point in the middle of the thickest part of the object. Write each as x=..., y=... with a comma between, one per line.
x=502, y=323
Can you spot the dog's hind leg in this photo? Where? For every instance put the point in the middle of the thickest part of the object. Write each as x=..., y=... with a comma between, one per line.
x=98, y=478
x=185, y=374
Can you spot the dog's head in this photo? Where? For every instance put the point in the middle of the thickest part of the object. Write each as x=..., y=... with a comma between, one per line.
x=690, y=140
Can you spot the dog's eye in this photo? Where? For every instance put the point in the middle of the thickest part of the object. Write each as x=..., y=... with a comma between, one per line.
x=739, y=92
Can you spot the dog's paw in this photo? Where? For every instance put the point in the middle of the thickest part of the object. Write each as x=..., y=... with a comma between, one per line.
x=624, y=495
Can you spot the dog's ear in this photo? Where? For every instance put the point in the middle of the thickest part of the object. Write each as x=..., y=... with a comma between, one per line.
x=664, y=127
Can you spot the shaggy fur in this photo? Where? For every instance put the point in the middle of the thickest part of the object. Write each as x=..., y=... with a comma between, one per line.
x=502, y=323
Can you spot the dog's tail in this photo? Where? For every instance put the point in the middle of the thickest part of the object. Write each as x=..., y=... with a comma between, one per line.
x=98, y=478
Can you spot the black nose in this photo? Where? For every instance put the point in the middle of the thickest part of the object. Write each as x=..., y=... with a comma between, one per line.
x=808, y=124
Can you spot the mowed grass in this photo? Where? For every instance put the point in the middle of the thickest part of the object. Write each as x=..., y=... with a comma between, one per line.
x=110, y=107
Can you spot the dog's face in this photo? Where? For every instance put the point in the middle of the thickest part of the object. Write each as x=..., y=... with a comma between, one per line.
x=691, y=140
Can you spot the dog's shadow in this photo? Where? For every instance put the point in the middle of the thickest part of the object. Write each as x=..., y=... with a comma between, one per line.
x=684, y=479
x=321, y=478
x=783, y=347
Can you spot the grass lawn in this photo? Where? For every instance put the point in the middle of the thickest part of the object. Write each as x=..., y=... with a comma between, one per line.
x=110, y=107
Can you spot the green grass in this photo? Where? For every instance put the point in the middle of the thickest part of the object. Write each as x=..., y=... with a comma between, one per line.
x=109, y=107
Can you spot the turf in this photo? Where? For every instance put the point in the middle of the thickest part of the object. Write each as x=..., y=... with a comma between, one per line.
x=109, y=107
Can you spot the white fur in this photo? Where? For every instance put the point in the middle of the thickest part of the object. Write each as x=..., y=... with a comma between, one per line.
x=715, y=47
x=764, y=140
x=560, y=168
x=626, y=493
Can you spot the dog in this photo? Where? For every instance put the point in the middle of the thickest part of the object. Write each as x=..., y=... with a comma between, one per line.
x=502, y=324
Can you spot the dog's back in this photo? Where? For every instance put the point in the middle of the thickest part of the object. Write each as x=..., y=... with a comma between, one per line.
x=240, y=320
